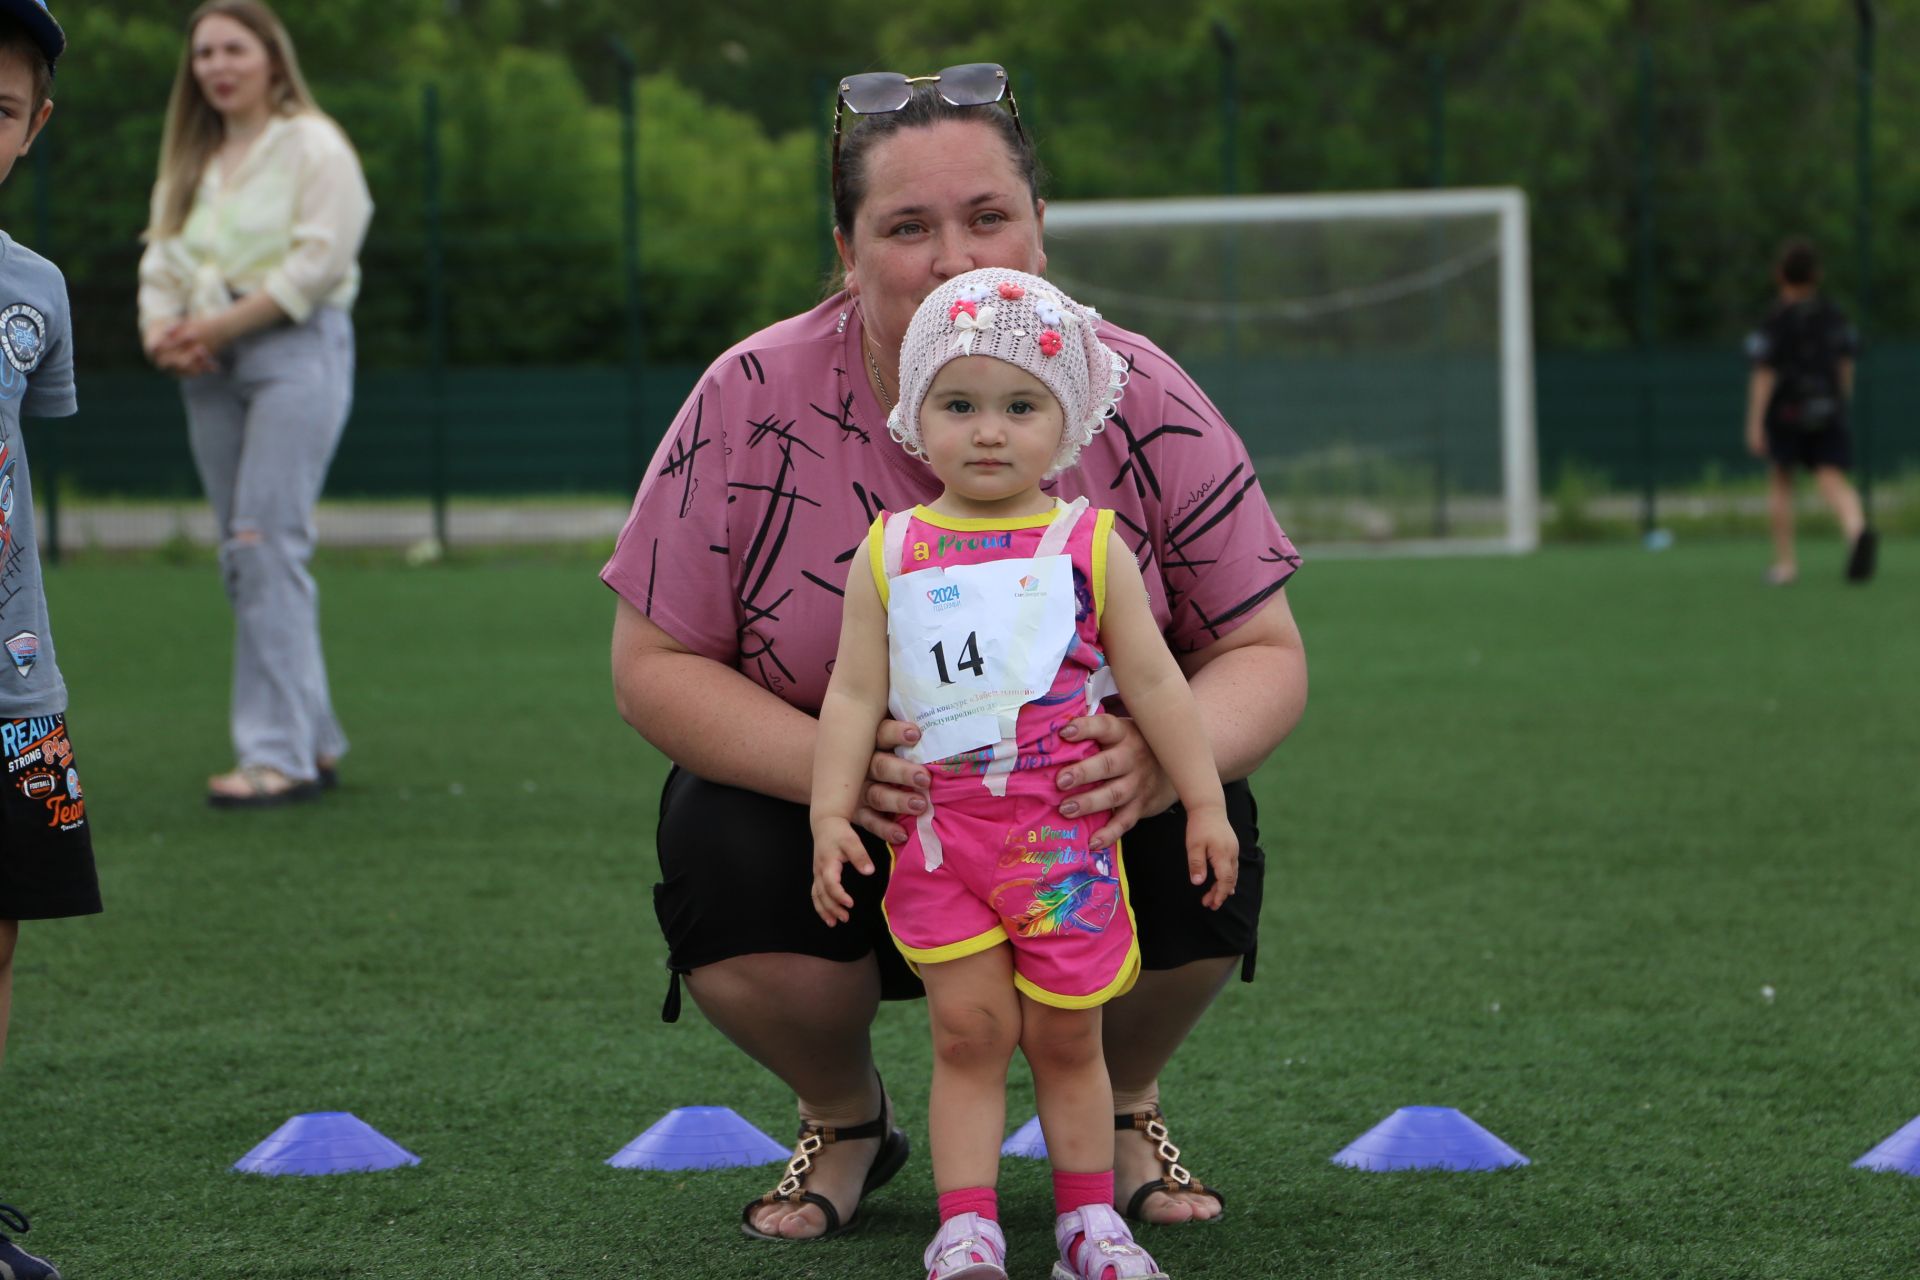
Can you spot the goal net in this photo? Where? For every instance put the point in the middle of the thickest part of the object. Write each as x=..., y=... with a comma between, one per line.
x=1374, y=351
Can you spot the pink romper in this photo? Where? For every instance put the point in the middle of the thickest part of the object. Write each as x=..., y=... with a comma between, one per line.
x=1010, y=868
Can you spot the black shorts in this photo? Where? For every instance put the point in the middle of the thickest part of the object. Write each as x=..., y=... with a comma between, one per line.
x=737, y=876
x=46, y=844
x=1827, y=447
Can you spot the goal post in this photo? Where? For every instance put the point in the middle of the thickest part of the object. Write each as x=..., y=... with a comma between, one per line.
x=1374, y=350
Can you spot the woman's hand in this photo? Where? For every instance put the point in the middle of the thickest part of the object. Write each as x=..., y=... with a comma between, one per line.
x=894, y=786
x=1123, y=777
x=835, y=845
x=177, y=347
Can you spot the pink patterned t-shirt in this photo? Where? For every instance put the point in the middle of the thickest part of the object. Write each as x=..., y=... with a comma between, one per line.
x=761, y=494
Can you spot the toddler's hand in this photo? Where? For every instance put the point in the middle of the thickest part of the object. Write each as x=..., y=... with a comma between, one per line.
x=834, y=845
x=1212, y=843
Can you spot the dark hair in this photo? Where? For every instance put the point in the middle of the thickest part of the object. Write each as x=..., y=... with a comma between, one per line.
x=15, y=38
x=926, y=107
x=1798, y=264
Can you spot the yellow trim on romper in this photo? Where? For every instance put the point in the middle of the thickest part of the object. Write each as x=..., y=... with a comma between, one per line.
x=971, y=524
x=1123, y=980
x=1102, y=534
x=877, y=555
x=917, y=956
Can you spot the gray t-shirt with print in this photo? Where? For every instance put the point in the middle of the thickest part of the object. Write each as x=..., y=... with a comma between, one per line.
x=36, y=378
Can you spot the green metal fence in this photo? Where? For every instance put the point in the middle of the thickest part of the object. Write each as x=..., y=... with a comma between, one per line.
x=543, y=351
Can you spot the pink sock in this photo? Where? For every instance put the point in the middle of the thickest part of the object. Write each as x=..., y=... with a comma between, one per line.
x=981, y=1200
x=1076, y=1190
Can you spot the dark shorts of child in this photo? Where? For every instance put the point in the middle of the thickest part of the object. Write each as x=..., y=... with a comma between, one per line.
x=46, y=842
x=1826, y=447
x=737, y=873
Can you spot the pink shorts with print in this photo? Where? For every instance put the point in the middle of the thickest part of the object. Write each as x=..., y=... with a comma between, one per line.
x=1014, y=870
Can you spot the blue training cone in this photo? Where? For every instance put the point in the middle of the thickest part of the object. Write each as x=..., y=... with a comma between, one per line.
x=1898, y=1154
x=698, y=1138
x=1428, y=1138
x=1026, y=1141
x=325, y=1142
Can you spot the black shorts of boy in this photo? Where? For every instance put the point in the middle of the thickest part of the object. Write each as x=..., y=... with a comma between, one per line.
x=46, y=842
x=1791, y=447
x=737, y=871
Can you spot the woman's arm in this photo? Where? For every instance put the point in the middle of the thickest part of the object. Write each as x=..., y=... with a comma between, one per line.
x=1251, y=688
x=1154, y=688
x=707, y=717
x=710, y=719
x=1163, y=708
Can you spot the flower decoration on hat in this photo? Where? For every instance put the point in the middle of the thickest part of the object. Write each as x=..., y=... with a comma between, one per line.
x=1021, y=319
x=970, y=320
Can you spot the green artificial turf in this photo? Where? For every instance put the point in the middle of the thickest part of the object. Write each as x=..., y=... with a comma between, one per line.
x=1549, y=828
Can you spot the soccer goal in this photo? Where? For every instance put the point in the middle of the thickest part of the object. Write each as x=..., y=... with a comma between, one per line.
x=1374, y=351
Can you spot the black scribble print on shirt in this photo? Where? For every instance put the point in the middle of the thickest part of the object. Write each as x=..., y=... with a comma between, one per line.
x=1274, y=555
x=750, y=366
x=770, y=426
x=1138, y=465
x=762, y=555
x=1214, y=622
x=685, y=453
x=1215, y=507
x=871, y=506
x=844, y=418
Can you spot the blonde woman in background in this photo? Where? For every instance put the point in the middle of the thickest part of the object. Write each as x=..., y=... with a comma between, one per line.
x=246, y=284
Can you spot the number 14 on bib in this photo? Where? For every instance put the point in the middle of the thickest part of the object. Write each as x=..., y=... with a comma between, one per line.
x=968, y=646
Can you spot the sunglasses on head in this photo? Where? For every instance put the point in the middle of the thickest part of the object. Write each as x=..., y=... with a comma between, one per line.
x=971, y=84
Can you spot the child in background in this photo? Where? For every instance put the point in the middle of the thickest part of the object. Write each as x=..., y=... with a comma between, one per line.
x=990, y=619
x=46, y=846
x=1798, y=392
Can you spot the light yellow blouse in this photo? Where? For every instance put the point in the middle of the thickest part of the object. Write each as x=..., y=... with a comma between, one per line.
x=289, y=219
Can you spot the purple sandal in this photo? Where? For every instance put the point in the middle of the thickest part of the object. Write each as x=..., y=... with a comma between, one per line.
x=967, y=1247
x=1096, y=1245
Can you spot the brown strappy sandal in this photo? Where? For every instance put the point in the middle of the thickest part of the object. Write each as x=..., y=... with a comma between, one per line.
x=893, y=1152
x=1173, y=1175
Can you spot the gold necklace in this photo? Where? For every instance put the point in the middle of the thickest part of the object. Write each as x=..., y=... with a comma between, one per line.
x=879, y=383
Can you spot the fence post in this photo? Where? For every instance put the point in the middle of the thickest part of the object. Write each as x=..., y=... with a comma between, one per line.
x=1643, y=281
x=629, y=69
x=1437, y=178
x=436, y=309
x=1229, y=47
x=1862, y=399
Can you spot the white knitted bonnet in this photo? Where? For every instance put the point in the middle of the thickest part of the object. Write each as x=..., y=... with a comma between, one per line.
x=1025, y=321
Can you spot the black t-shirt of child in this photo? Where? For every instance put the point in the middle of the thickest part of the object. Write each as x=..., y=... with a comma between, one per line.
x=1803, y=343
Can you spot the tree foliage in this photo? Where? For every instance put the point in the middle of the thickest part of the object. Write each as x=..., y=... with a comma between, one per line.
x=1750, y=134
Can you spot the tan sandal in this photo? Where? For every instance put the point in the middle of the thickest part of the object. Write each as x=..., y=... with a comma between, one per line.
x=258, y=786
x=1173, y=1175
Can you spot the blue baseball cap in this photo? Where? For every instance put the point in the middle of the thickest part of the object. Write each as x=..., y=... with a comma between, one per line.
x=33, y=15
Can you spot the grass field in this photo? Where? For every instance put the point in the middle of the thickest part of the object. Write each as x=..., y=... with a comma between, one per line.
x=1548, y=829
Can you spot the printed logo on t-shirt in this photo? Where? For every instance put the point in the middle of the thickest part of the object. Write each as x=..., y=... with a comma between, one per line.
x=24, y=649
x=23, y=336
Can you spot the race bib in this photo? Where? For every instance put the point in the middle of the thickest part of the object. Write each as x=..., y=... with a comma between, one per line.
x=969, y=645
